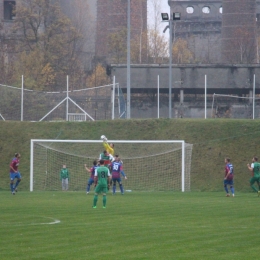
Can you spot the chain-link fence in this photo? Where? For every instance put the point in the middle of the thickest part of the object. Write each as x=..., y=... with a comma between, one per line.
x=79, y=105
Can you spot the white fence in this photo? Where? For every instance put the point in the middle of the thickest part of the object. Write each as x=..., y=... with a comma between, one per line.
x=98, y=103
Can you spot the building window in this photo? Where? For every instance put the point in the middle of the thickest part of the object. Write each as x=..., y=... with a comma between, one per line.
x=220, y=9
x=190, y=10
x=9, y=8
x=206, y=10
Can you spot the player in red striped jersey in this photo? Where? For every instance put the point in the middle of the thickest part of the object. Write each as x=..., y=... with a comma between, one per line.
x=14, y=173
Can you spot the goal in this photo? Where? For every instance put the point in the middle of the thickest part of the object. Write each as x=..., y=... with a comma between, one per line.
x=161, y=165
x=234, y=106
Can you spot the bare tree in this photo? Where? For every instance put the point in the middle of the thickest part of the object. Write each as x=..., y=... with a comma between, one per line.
x=157, y=43
x=242, y=47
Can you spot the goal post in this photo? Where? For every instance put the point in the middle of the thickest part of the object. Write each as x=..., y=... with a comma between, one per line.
x=235, y=106
x=150, y=165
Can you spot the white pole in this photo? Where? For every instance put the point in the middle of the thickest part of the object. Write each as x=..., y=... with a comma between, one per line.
x=113, y=98
x=67, y=101
x=183, y=168
x=254, y=98
x=205, y=96
x=31, y=167
x=158, y=95
x=212, y=107
x=22, y=100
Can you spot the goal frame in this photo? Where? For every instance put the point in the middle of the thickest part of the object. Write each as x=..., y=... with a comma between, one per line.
x=182, y=142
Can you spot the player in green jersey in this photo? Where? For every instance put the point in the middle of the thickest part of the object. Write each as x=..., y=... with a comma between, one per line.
x=255, y=170
x=102, y=177
x=64, y=177
x=108, y=158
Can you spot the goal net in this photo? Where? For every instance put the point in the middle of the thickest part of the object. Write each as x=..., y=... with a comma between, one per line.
x=232, y=106
x=148, y=165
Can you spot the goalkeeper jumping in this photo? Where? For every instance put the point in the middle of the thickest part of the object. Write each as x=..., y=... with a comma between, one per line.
x=108, y=147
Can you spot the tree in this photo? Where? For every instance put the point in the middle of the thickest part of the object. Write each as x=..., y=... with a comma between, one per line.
x=157, y=46
x=181, y=52
x=117, y=46
x=150, y=44
x=6, y=64
x=49, y=46
x=98, y=77
x=242, y=47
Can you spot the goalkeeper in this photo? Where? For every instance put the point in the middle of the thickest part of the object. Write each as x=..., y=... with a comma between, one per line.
x=108, y=147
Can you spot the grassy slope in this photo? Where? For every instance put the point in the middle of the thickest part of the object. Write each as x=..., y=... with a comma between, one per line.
x=212, y=139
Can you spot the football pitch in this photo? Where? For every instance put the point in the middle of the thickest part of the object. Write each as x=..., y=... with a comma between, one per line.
x=137, y=225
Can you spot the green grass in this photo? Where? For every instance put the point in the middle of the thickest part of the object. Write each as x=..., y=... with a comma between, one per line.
x=142, y=225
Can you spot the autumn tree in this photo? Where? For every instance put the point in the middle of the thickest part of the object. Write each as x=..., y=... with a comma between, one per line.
x=242, y=47
x=139, y=48
x=98, y=77
x=151, y=44
x=181, y=52
x=157, y=44
x=6, y=64
x=117, y=46
x=49, y=46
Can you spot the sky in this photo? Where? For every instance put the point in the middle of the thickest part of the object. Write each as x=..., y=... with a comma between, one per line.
x=165, y=8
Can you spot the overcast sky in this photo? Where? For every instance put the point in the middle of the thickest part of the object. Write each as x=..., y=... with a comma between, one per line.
x=165, y=8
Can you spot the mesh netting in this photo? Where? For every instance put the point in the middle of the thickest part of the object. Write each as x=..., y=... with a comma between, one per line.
x=230, y=106
x=148, y=166
x=85, y=104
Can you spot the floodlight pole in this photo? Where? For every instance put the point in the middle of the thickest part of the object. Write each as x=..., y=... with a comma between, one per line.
x=170, y=69
x=158, y=95
x=205, y=96
x=254, y=97
x=128, y=115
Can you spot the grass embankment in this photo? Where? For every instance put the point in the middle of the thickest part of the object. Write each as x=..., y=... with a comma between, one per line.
x=212, y=140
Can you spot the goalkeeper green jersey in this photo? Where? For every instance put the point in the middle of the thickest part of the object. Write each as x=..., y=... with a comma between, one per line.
x=256, y=169
x=102, y=174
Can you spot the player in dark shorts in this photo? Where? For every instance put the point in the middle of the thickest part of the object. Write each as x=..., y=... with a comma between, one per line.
x=14, y=173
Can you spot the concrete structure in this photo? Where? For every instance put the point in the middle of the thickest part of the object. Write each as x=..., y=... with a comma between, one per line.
x=201, y=24
x=188, y=90
x=190, y=79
